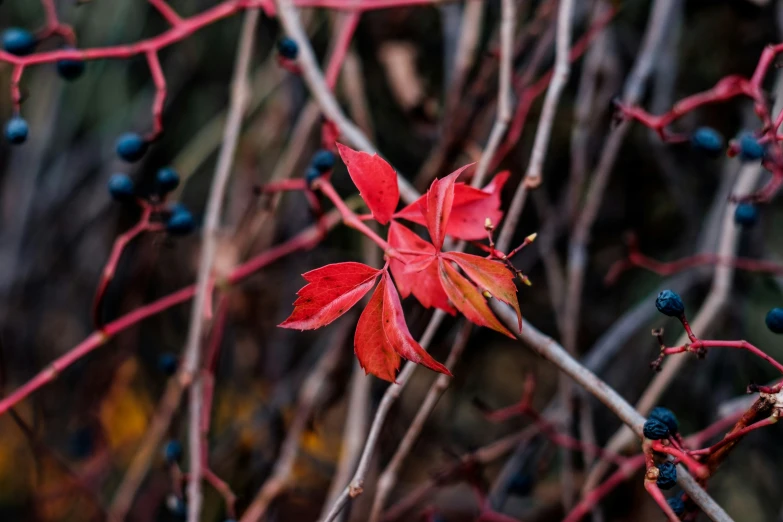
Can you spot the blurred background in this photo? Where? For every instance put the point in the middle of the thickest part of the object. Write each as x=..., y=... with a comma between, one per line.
x=64, y=452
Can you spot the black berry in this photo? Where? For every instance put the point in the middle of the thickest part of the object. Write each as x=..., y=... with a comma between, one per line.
x=707, y=139
x=746, y=215
x=173, y=451
x=655, y=429
x=667, y=475
x=121, y=187
x=666, y=416
x=180, y=222
x=677, y=505
x=323, y=160
x=131, y=147
x=749, y=147
x=16, y=130
x=167, y=180
x=18, y=41
x=70, y=69
x=774, y=320
x=167, y=363
x=288, y=48
x=669, y=303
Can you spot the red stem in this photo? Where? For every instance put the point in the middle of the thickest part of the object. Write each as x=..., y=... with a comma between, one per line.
x=306, y=239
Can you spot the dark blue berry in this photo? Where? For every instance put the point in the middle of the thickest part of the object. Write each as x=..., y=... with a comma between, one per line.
x=774, y=320
x=70, y=69
x=18, y=41
x=177, y=507
x=655, y=429
x=312, y=174
x=667, y=475
x=167, y=363
x=746, y=214
x=707, y=139
x=521, y=484
x=131, y=147
x=323, y=160
x=81, y=443
x=121, y=187
x=288, y=48
x=167, y=180
x=749, y=147
x=173, y=451
x=16, y=130
x=180, y=222
x=669, y=303
x=666, y=416
x=677, y=505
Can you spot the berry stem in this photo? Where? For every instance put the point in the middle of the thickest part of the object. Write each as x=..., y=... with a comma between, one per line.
x=734, y=435
x=352, y=220
x=167, y=12
x=159, y=80
x=305, y=240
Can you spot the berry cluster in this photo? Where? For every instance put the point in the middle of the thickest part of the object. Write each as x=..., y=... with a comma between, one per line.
x=322, y=163
x=21, y=42
x=179, y=220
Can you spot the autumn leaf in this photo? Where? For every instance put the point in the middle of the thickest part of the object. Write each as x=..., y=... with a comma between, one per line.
x=424, y=285
x=436, y=206
x=468, y=299
x=375, y=179
x=490, y=275
x=470, y=208
x=331, y=291
x=382, y=337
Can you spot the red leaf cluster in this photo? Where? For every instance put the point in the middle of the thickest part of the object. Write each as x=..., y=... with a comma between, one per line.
x=450, y=281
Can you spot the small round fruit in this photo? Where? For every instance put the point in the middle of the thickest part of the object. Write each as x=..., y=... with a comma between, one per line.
x=69, y=68
x=177, y=507
x=323, y=160
x=749, y=147
x=168, y=363
x=121, y=187
x=288, y=48
x=18, y=41
x=131, y=147
x=655, y=430
x=666, y=416
x=667, y=475
x=707, y=139
x=312, y=174
x=173, y=451
x=669, y=303
x=746, y=215
x=774, y=320
x=677, y=505
x=16, y=130
x=180, y=222
x=167, y=180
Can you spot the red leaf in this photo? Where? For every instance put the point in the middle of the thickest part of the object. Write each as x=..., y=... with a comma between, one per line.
x=382, y=336
x=331, y=291
x=470, y=209
x=468, y=299
x=437, y=204
x=374, y=352
x=375, y=179
x=492, y=276
x=424, y=285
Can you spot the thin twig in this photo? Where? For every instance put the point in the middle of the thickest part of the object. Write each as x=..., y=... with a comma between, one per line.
x=355, y=432
x=388, y=477
x=559, y=79
x=289, y=18
x=278, y=482
x=507, y=20
x=355, y=487
x=191, y=355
